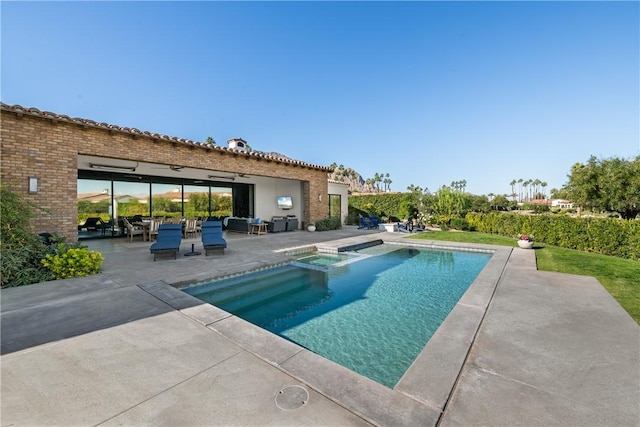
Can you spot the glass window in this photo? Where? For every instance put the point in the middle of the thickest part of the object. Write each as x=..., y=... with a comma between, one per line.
x=131, y=200
x=94, y=208
x=335, y=208
x=196, y=201
x=111, y=196
x=166, y=200
x=221, y=201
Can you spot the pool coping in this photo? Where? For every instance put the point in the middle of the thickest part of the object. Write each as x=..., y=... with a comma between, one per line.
x=438, y=365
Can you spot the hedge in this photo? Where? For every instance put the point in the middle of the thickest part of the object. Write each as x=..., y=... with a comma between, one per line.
x=607, y=236
x=383, y=204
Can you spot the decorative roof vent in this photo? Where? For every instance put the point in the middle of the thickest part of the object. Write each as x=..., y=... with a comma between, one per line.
x=237, y=144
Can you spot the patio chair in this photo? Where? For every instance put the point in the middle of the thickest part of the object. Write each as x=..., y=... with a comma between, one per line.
x=133, y=230
x=212, y=239
x=168, y=240
x=277, y=224
x=190, y=228
x=292, y=223
x=365, y=222
x=153, y=228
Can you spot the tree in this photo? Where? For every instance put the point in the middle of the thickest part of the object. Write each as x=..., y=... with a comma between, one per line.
x=450, y=203
x=500, y=202
x=513, y=189
x=21, y=247
x=414, y=189
x=536, y=188
x=387, y=182
x=611, y=185
x=520, y=189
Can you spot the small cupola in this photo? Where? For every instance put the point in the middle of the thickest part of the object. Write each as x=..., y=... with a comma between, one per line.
x=237, y=144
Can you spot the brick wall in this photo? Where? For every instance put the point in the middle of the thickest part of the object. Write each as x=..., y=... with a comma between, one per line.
x=35, y=145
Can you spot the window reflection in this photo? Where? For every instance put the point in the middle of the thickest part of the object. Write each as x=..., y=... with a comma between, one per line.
x=221, y=201
x=196, y=201
x=335, y=201
x=135, y=198
x=166, y=200
x=94, y=208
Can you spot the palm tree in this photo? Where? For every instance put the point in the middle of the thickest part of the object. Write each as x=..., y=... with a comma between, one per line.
x=520, y=190
x=414, y=189
x=543, y=184
x=513, y=190
x=536, y=188
x=525, y=184
x=369, y=184
x=387, y=184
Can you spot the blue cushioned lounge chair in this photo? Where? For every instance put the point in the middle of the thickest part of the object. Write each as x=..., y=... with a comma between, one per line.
x=167, y=241
x=365, y=222
x=212, y=239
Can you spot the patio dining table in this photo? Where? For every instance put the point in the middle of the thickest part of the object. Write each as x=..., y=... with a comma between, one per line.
x=146, y=225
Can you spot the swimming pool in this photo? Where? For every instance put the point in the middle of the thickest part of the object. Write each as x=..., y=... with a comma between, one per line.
x=372, y=315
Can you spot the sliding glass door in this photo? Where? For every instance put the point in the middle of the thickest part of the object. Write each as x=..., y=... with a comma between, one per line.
x=106, y=198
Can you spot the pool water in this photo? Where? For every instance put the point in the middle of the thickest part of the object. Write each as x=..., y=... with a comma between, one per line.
x=373, y=316
x=322, y=259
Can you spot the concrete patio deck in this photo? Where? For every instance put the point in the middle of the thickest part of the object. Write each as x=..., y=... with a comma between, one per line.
x=124, y=347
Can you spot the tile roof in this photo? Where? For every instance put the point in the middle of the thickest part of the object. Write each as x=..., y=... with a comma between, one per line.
x=259, y=155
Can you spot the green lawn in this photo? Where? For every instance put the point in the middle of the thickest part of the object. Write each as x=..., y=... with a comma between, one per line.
x=621, y=277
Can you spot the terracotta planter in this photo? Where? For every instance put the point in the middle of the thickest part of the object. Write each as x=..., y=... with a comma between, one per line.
x=525, y=244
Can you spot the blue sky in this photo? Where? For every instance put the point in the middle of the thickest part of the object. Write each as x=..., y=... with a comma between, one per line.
x=429, y=92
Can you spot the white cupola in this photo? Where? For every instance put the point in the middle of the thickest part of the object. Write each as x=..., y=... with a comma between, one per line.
x=237, y=144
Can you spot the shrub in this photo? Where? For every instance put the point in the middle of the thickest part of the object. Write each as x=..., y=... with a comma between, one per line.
x=21, y=248
x=326, y=224
x=73, y=262
x=23, y=251
x=459, y=224
x=606, y=236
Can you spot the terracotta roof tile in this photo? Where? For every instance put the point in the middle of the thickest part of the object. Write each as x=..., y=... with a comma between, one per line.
x=18, y=109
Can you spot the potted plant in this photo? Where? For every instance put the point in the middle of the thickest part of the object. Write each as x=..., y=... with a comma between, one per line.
x=311, y=226
x=525, y=241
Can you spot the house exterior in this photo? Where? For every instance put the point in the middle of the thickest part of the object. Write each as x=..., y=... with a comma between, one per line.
x=561, y=203
x=554, y=203
x=48, y=157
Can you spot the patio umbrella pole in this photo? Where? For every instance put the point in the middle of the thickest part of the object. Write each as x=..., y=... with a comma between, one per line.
x=192, y=253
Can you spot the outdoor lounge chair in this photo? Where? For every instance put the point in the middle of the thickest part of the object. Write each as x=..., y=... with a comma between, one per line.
x=366, y=222
x=212, y=239
x=91, y=224
x=167, y=241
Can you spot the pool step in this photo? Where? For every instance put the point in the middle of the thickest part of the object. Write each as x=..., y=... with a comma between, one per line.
x=266, y=291
x=235, y=285
x=258, y=291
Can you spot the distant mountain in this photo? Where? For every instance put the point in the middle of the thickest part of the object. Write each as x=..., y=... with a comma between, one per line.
x=349, y=176
x=274, y=154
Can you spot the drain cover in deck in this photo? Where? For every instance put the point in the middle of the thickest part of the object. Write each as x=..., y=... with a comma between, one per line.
x=292, y=397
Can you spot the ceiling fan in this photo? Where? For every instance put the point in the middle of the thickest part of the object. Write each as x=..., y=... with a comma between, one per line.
x=176, y=168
